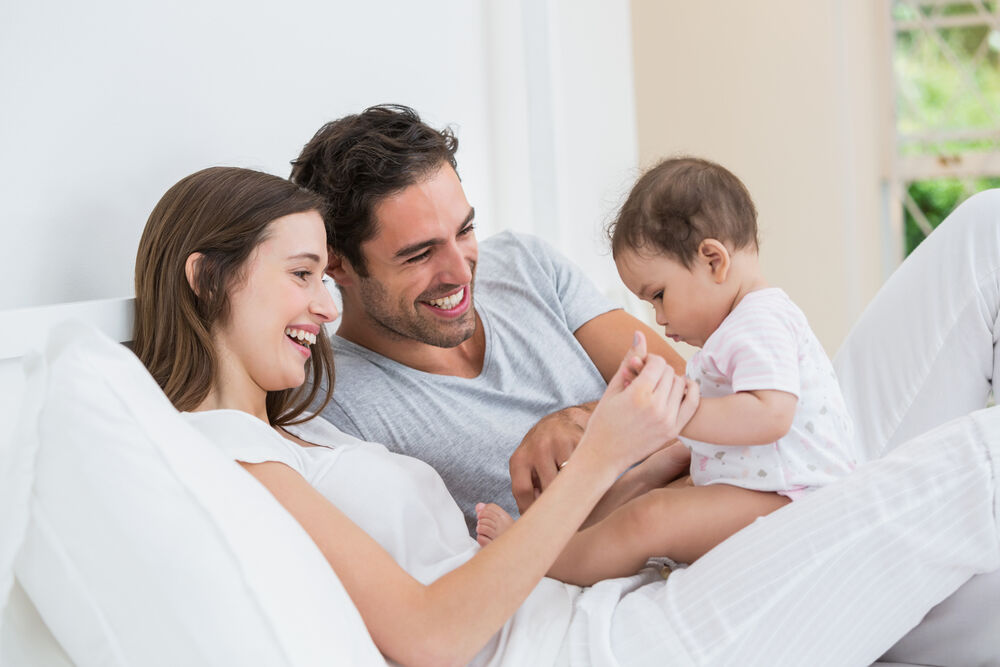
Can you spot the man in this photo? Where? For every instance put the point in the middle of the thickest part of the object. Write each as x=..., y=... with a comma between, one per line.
x=482, y=361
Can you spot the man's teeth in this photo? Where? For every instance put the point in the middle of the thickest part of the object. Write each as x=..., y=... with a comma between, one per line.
x=303, y=337
x=448, y=302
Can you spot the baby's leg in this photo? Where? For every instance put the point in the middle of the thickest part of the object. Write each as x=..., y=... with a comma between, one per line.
x=491, y=522
x=682, y=523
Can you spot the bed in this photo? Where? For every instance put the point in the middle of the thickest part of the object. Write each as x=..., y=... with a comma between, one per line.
x=151, y=564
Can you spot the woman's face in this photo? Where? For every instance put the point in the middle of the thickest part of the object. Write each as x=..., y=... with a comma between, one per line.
x=276, y=312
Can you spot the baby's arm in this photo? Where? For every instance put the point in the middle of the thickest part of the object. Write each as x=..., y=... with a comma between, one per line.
x=744, y=418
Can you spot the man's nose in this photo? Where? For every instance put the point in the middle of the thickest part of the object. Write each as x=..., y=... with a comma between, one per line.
x=455, y=268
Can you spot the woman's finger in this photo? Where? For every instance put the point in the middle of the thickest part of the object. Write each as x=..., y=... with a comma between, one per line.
x=654, y=372
x=631, y=364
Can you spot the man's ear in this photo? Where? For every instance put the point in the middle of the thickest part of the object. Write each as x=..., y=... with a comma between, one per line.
x=191, y=270
x=714, y=255
x=338, y=268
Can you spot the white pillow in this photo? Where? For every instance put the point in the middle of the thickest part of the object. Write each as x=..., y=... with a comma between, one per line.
x=146, y=546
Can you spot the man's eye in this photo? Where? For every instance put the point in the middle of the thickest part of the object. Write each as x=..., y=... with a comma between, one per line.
x=468, y=229
x=416, y=258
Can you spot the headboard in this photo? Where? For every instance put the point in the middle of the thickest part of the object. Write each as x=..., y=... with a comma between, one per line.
x=21, y=329
x=83, y=543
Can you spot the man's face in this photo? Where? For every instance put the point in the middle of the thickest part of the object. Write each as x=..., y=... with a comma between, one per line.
x=421, y=264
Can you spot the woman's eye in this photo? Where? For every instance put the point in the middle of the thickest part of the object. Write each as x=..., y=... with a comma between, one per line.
x=302, y=275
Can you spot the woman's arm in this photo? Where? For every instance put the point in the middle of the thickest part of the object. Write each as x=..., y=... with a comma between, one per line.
x=743, y=418
x=446, y=621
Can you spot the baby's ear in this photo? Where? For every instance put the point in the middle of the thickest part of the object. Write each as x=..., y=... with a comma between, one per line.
x=714, y=254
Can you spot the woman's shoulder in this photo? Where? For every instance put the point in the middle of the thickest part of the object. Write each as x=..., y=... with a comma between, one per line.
x=245, y=438
x=324, y=433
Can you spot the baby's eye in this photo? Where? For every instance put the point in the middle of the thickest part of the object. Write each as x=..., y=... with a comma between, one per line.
x=658, y=295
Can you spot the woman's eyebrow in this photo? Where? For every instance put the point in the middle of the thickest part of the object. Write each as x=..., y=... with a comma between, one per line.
x=306, y=255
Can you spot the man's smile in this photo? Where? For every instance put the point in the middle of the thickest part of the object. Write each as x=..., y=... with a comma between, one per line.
x=455, y=303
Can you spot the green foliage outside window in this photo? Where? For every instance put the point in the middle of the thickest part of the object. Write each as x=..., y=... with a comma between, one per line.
x=948, y=101
x=937, y=199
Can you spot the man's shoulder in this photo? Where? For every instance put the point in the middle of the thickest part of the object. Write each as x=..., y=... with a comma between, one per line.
x=355, y=364
x=510, y=246
x=513, y=257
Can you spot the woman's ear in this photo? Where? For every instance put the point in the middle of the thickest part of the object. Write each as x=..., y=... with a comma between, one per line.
x=191, y=271
x=715, y=256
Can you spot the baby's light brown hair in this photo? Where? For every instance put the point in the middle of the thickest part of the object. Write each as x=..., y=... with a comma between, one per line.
x=679, y=203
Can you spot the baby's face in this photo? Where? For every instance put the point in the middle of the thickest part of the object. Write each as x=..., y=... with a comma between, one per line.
x=687, y=302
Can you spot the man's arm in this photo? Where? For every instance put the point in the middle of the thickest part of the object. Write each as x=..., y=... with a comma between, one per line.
x=608, y=336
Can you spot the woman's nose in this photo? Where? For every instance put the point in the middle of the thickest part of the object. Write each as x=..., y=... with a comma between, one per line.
x=323, y=305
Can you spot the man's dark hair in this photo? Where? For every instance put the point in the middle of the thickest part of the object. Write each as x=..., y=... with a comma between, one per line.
x=681, y=202
x=356, y=161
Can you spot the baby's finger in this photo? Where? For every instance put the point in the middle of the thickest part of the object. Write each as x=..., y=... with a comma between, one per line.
x=692, y=396
x=675, y=393
x=632, y=367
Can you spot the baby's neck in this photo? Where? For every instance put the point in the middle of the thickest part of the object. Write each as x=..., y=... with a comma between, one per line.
x=745, y=276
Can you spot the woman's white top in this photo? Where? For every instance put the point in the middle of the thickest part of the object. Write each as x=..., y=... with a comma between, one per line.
x=403, y=504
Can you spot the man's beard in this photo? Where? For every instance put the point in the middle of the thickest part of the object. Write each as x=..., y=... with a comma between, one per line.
x=404, y=321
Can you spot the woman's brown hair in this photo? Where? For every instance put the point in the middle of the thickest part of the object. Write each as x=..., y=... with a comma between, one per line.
x=222, y=213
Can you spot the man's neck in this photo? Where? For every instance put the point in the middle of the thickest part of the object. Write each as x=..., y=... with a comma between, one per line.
x=464, y=360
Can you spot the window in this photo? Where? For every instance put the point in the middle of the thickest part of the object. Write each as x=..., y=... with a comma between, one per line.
x=946, y=69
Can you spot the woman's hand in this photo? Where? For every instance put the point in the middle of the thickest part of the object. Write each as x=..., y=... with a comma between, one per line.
x=645, y=406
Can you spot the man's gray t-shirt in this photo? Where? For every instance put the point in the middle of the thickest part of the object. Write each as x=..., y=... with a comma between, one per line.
x=530, y=300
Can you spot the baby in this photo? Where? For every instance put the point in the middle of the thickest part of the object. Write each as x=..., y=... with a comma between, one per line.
x=771, y=424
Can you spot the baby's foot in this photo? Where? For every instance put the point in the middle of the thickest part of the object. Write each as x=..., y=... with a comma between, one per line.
x=491, y=522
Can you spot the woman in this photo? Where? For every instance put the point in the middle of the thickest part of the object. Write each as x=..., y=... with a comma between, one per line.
x=230, y=307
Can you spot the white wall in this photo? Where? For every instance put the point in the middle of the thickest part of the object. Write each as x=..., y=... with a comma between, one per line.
x=564, y=127
x=108, y=103
x=791, y=96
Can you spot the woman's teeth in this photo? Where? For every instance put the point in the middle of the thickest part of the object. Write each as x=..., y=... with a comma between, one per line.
x=300, y=336
x=448, y=302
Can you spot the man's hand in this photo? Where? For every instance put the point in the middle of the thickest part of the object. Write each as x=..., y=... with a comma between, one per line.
x=550, y=442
